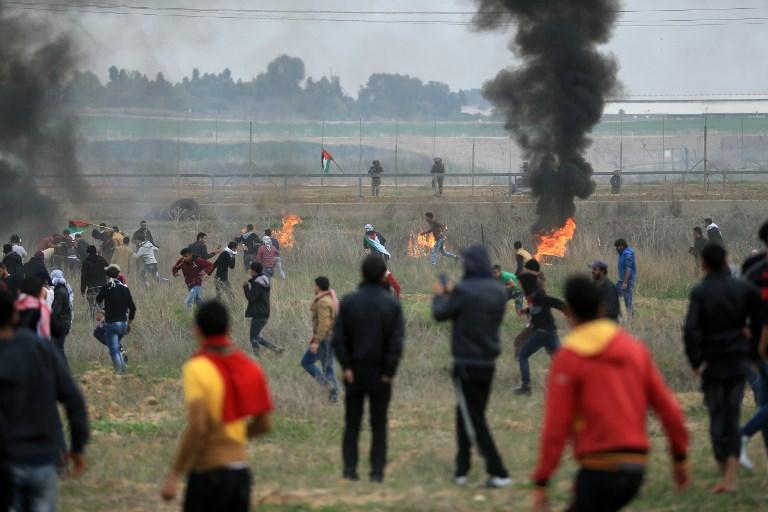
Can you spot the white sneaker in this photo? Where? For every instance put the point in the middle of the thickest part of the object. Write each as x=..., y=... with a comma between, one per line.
x=461, y=481
x=497, y=482
x=744, y=459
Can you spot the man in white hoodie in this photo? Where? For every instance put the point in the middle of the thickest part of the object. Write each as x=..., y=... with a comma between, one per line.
x=147, y=258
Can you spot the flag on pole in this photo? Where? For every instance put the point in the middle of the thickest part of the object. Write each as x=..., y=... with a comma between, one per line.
x=325, y=161
x=78, y=226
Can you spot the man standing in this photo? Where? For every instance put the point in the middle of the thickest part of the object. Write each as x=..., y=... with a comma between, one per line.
x=119, y=313
x=123, y=255
x=17, y=247
x=375, y=242
x=267, y=256
x=368, y=341
x=224, y=263
x=609, y=295
x=627, y=274
x=278, y=259
x=143, y=234
x=13, y=265
x=193, y=270
x=616, y=182
x=92, y=278
x=601, y=386
x=719, y=311
x=81, y=247
x=200, y=249
x=438, y=175
x=323, y=310
x=257, y=291
x=698, y=246
x=7, y=282
x=476, y=307
x=376, y=170
x=713, y=232
x=33, y=379
x=544, y=333
x=250, y=241
x=521, y=257
x=438, y=233
x=228, y=402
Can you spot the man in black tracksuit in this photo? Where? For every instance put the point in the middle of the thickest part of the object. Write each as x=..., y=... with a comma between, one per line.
x=368, y=341
x=476, y=306
x=33, y=379
x=719, y=310
x=92, y=277
x=224, y=263
x=14, y=265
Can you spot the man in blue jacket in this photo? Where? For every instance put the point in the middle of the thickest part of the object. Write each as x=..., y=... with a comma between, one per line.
x=627, y=274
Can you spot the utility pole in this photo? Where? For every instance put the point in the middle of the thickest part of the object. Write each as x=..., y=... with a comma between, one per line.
x=360, y=161
x=663, y=143
x=706, y=172
x=434, y=138
x=397, y=171
x=250, y=145
x=621, y=140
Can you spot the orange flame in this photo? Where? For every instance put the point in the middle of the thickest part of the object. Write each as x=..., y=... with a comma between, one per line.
x=285, y=235
x=420, y=245
x=555, y=242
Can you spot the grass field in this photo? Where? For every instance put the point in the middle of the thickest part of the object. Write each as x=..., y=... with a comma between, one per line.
x=137, y=419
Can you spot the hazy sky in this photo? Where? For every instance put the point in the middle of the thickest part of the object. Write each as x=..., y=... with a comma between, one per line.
x=727, y=58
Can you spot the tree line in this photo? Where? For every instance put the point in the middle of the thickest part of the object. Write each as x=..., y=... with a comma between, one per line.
x=282, y=91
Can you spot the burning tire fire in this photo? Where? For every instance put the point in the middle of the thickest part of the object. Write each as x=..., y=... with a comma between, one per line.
x=555, y=242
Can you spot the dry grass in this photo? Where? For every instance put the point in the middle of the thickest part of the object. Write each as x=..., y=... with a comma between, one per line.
x=137, y=419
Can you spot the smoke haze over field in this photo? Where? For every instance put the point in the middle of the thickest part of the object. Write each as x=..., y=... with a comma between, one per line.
x=35, y=138
x=552, y=101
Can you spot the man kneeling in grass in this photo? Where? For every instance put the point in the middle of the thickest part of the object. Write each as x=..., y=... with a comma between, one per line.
x=601, y=385
x=227, y=402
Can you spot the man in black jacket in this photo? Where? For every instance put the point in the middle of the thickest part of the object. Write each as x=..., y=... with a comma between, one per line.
x=250, y=242
x=609, y=294
x=717, y=346
x=92, y=278
x=257, y=290
x=119, y=313
x=224, y=263
x=33, y=378
x=476, y=307
x=200, y=250
x=14, y=265
x=368, y=341
x=542, y=322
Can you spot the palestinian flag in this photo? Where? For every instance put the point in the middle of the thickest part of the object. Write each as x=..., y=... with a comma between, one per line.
x=78, y=226
x=325, y=161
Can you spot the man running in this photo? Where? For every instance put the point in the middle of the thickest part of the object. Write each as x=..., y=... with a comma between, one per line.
x=476, y=307
x=375, y=242
x=194, y=270
x=278, y=259
x=92, y=278
x=267, y=255
x=224, y=263
x=257, y=291
x=147, y=258
x=511, y=282
x=438, y=232
x=719, y=311
x=250, y=242
x=228, y=402
x=323, y=309
x=200, y=249
x=368, y=342
x=143, y=234
x=119, y=314
x=521, y=257
x=601, y=386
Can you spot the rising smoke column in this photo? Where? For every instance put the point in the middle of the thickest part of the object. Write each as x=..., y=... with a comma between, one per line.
x=35, y=137
x=555, y=98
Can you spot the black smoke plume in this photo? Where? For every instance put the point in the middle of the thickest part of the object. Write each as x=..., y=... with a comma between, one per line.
x=557, y=95
x=36, y=138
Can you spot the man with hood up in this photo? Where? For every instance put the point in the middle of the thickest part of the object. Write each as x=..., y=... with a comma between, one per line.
x=257, y=292
x=476, y=307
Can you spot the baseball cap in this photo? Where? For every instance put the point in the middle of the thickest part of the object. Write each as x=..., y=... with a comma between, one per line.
x=598, y=264
x=368, y=227
x=116, y=267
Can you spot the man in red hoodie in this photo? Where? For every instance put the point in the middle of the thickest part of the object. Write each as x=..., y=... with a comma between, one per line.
x=601, y=386
x=193, y=269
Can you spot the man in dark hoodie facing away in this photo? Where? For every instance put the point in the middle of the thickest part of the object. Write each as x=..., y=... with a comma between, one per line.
x=257, y=291
x=93, y=277
x=476, y=306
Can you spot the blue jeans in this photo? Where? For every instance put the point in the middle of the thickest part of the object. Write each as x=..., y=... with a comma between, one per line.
x=325, y=374
x=113, y=333
x=35, y=488
x=194, y=297
x=758, y=379
x=439, y=248
x=627, y=294
x=540, y=338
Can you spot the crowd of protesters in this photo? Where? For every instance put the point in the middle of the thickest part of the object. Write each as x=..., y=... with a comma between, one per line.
x=600, y=376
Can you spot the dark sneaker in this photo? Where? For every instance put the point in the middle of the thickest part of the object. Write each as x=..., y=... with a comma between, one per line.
x=522, y=391
x=377, y=478
x=333, y=396
x=350, y=475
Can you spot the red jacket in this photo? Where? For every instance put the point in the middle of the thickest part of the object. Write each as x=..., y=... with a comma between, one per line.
x=193, y=271
x=601, y=385
x=265, y=257
x=393, y=284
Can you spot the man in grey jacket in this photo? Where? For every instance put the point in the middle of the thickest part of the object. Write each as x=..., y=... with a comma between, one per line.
x=476, y=306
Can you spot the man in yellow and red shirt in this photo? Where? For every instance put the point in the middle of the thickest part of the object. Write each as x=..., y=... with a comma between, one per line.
x=602, y=384
x=228, y=402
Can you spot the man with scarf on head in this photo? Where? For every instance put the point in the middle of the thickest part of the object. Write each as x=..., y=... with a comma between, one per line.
x=224, y=263
x=119, y=313
x=324, y=309
x=63, y=310
x=34, y=312
x=476, y=307
x=267, y=256
x=375, y=242
x=228, y=402
x=278, y=259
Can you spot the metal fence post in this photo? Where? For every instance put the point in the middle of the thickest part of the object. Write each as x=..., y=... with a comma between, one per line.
x=285, y=187
x=213, y=188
